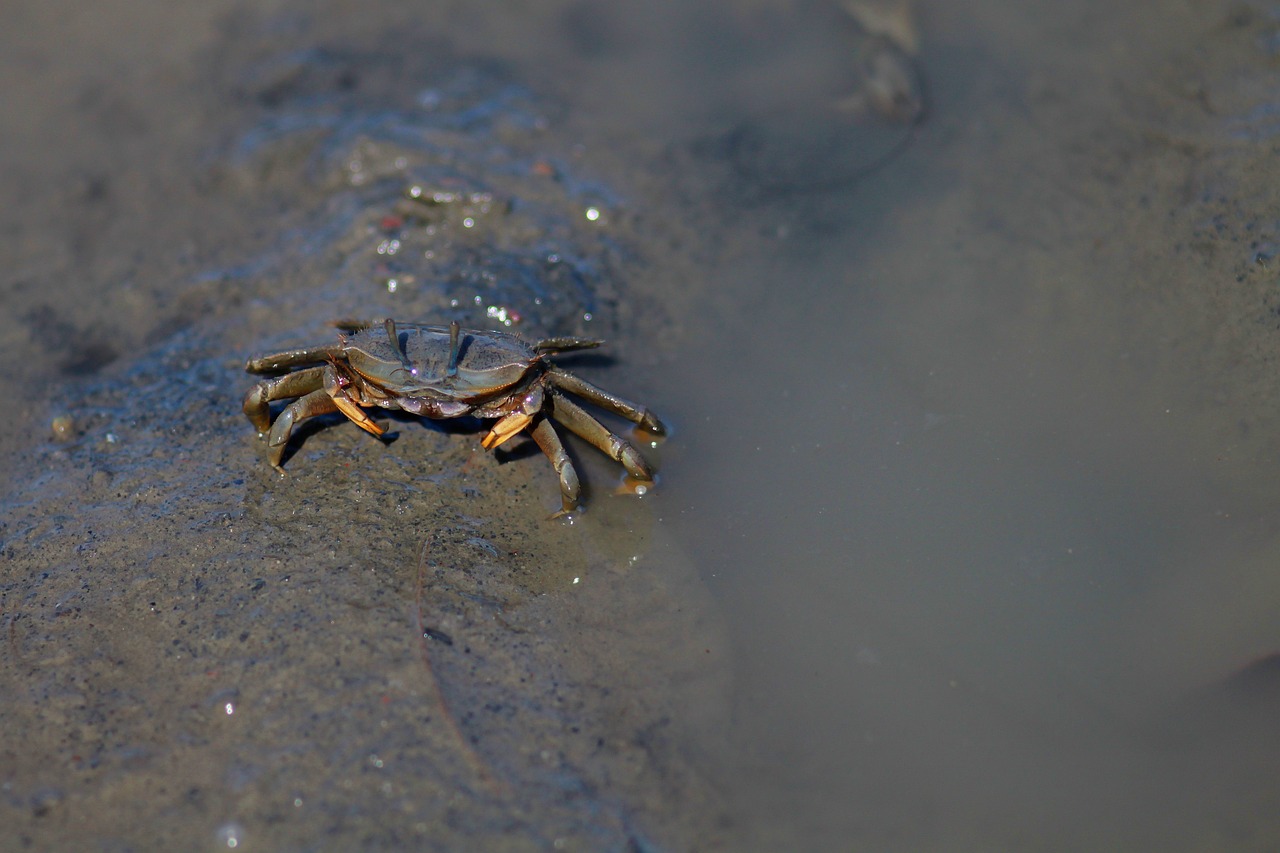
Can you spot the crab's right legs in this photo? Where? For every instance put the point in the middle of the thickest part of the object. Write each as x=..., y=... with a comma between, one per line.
x=307, y=406
x=279, y=362
x=545, y=435
x=257, y=403
x=308, y=386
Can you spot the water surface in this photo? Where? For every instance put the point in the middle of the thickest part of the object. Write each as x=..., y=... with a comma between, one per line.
x=978, y=456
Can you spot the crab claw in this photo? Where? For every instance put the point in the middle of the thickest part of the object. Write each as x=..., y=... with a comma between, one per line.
x=505, y=429
x=355, y=413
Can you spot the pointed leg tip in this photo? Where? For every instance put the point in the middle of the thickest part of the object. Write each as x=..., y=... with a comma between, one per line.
x=651, y=431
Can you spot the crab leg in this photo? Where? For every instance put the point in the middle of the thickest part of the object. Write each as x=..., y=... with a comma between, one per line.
x=545, y=435
x=638, y=415
x=281, y=361
x=554, y=345
x=308, y=406
x=257, y=403
x=580, y=423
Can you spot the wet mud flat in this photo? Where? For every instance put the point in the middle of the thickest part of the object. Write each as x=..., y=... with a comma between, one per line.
x=285, y=667
x=200, y=654
x=965, y=325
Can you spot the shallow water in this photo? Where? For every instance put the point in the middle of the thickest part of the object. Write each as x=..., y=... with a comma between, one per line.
x=982, y=465
x=963, y=536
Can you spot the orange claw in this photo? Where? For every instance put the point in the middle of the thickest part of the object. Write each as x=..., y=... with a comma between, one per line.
x=505, y=429
x=355, y=413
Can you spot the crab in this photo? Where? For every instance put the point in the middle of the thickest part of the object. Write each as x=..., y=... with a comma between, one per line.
x=446, y=372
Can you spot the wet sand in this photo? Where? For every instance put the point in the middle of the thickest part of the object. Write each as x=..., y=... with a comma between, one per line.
x=199, y=652
x=963, y=537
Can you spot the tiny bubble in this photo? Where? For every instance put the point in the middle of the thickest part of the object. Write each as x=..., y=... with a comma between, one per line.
x=229, y=835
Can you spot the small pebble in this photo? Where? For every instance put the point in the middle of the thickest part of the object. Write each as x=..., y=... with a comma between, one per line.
x=64, y=428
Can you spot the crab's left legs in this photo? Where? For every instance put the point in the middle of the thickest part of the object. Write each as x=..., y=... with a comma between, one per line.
x=580, y=423
x=638, y=415
x=545, y=435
